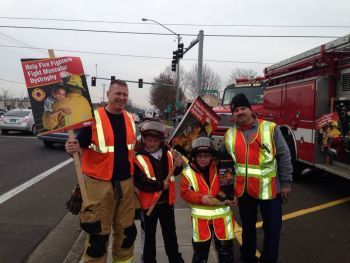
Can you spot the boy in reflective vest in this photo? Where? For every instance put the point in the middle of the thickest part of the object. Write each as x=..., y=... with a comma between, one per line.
x=153, y=164
x=199, y=186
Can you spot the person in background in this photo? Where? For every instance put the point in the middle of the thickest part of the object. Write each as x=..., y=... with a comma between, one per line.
x=199, y=186
x=107, y=155
x=263, y=177
x=152, y=166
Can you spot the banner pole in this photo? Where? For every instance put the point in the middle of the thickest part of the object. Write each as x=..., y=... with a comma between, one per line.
x=76, y=159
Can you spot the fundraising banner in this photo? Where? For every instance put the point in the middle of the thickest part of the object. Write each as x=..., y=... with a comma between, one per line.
x=199, y=120
x=58, y=93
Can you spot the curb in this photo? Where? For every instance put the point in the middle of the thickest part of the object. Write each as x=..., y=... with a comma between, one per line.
x=76, y=252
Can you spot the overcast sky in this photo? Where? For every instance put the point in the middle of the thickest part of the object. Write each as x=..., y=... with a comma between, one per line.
x=171, y=13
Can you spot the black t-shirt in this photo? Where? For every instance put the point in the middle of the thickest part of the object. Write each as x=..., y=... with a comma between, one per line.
x=121, y=169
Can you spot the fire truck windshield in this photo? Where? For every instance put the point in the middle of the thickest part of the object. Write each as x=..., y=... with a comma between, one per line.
x=254, y=94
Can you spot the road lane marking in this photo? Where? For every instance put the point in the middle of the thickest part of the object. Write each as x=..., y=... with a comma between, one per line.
x=18, y=136
x=6, y=196
x=310, y=210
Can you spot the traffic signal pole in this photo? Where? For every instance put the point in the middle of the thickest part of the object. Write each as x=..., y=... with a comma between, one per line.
x=177, y=82
x=200, y=61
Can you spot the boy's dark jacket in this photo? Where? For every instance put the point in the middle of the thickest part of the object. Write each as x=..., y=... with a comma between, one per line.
x=160, y=167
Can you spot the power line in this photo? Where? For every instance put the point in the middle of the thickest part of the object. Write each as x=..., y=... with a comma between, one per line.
x=138, y=56
x=165, y=34
x=171, y=24
x=14, y=40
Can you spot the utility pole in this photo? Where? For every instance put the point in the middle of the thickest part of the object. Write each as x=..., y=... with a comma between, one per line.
x=200, y=61
x=104, y=91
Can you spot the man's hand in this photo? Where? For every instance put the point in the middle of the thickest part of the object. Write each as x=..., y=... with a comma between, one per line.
x=72, y=146
x=285, y=193
x=67, y=111
x=206, y=200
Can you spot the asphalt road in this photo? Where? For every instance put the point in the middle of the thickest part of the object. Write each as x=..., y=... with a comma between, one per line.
x=28, y=217
x=316, y=226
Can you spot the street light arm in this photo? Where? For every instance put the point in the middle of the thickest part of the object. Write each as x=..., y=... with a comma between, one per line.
x=145, y=19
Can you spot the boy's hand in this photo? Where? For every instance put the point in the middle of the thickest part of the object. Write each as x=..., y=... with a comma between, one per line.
x=206, y=200
x=178, y=162
x=232, y=202
x=166, y=184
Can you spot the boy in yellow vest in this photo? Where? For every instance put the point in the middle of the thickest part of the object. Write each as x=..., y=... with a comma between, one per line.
x=199, y=186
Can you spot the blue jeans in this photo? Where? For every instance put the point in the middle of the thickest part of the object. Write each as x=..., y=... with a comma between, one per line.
x=271, y=212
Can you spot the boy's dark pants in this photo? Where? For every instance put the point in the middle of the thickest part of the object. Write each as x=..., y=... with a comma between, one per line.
x=165, y=213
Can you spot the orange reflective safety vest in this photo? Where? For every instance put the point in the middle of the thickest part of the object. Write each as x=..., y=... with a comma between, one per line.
x=98, y=159
x=220, y=216
x=255, y=162
x=148, y=198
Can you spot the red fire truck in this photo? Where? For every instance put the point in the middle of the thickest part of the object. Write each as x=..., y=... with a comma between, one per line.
x=252, y=88
x=308, y=96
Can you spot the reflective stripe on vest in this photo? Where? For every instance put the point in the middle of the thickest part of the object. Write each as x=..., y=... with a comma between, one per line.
x=209, y=212
x=266, y=170
x=145, y=167
x=129, y=260
x=102, y=148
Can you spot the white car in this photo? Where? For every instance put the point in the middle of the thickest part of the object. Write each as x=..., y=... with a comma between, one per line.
x=17, y=120
x=136, y=118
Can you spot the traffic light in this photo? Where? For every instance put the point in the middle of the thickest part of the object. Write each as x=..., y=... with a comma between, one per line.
x=93, y=81
x=140, y=83
x=180, y=51
x=173, y=65
x=112, y=78
x=175, y=56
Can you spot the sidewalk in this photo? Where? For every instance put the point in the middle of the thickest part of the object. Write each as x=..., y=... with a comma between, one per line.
x=184, y=237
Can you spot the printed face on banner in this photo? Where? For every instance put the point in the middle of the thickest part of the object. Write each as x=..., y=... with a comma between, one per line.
x=58, y=93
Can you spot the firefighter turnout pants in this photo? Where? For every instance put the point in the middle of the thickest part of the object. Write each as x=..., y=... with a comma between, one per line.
x=112, y=206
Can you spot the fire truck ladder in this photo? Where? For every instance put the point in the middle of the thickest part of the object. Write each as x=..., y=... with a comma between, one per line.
x=339, y=48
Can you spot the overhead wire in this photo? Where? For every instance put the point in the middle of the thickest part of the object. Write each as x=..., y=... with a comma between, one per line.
x=164, y=34
x=172, y=24
x=138, y=56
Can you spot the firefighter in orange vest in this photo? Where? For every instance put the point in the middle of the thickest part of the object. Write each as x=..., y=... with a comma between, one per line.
x=199, y=186
x=263, y=177
x=152, y=165
x=107, y=154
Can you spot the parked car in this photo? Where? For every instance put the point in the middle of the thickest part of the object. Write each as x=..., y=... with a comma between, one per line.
x=136, y=118
x=2, y=112
x=54, y=138
x=17, y=120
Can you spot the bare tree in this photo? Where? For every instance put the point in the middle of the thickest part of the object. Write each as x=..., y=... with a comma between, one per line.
x=211, y=80
x=163, y=92
x=240, y=73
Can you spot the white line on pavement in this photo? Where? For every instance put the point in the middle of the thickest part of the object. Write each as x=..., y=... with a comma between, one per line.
x=17, y=136
x=4, y=197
